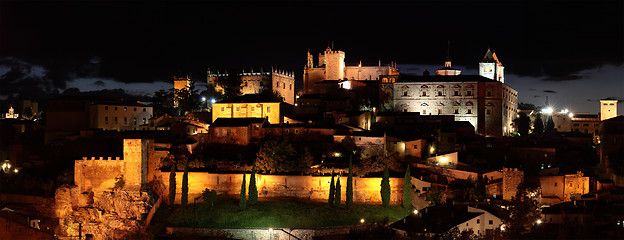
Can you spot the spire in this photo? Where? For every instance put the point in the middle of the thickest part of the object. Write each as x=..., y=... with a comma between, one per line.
x=489, y=56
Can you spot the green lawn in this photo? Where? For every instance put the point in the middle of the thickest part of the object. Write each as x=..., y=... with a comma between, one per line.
x=286, y=213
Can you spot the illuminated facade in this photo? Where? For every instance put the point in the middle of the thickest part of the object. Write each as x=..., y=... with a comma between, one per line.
x=251, y=106
x=331, y=67
x=257, y=82
x=489, y=105
x=491, y=68
x=608, y=108
x=119, y=116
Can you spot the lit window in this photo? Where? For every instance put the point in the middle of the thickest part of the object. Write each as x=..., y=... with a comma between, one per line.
x=222, y=109
x=237, y=109
x=252, y=109
x=125, y=109
x=144, y=120
x=268, y=109
x=424, y=111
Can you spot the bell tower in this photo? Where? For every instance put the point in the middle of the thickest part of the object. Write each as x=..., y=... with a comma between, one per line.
x=491, y=68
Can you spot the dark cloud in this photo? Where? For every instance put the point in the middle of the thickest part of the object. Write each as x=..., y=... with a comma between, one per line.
x=550, y=91
x=563, y=78
x=536, y=96
x=99, y=83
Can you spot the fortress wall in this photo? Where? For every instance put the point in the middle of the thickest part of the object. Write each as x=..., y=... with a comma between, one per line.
x=365, y=190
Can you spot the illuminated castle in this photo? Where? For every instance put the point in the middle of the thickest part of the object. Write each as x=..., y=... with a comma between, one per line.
x=331, y=67
x=279, y=81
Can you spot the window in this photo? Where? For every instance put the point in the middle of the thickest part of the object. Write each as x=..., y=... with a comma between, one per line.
x=135, y=109
x=469, y=111
x=489, y=94
x=424, y=94
x=245, y=83
x=115, y=119
x=115, y=108
x=290, y=87
x=287, y=131
x=238, y=109
x=222, y=109
x=144, y=110
x=469, y=93
x=125, y=109
x=277, y=84
x=296, y=131
x=488, y=111
x=105, y=107
x=491, y=222
x=284, y=85
x=456, y=93
x=415, y=146
x=253, y=108
x=106, y=120
x=439, y=93
x=268, y=109
x=456, y=111
x=555, y=184
x=439, y=111
x=405, y=93
x=424, y=111
x=478, y=221
x=144, y=120
x=134, y=121
x=125, y=120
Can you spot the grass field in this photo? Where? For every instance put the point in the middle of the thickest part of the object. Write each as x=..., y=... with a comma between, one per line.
x=290, y=213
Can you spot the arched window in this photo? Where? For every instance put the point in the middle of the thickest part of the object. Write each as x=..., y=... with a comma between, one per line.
x=469, y=104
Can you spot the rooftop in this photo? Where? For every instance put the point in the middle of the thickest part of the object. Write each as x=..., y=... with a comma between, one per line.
x=435, y=78
x=236, y=122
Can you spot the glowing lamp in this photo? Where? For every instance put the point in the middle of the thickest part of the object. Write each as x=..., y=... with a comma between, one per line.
x=362, y=220
x=203, y=99
x=539, y=221
x=415, y=211
x=212, y=100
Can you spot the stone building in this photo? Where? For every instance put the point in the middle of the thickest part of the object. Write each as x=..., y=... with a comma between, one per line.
x=253, y=106
x=278, y=81
x=561, y=188
x=331, y=67
x=119, y=115
x=489, y=105
x=608, y=108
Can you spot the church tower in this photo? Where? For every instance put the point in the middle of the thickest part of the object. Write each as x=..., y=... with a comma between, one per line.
x=334, y=64
x=608, y=108
x=310, y=63
x=491, y=68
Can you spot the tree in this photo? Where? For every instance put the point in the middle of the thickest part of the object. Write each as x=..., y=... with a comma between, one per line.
x=522, y=214
x=349, y=193
x=162, y=103
x=276, y=155
x=242, y=203
x=550, y=124
x=522, y=124
x=331, y=191
x=337, y=193
x=375, y=159
x=231, y=84
x=538, y=125
x=436, y=197
x=172, y=184
x=385, y=187
x=305, y=162
x=209, y=196
x=185, y=189
x=253, y=189
x=407, y=189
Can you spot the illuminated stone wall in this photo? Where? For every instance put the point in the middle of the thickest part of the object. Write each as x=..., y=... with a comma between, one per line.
x=512, y=177
x=365, y=190
x=247, y=110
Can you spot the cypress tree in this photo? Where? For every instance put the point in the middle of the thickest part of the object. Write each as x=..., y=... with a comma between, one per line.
x=253, y=189
x=331, y=191
x=184, y=197
x=242, y=203
x=337, y=193
x=349, y=193
x=407, y=189
x=385, y=187
x=172, y=184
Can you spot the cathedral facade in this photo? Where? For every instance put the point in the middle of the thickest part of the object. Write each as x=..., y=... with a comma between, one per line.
x=484, y=100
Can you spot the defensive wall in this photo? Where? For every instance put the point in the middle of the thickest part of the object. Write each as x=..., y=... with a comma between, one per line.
x=365, y=190
x=138, y=167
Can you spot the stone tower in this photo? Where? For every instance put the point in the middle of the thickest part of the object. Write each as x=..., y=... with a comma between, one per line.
x=310, y=63
x=136, y=157
x=334, y=64
x=491, y=68
x=608, y=108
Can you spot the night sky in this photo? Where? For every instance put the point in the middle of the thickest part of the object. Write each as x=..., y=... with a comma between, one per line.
x=572, y=52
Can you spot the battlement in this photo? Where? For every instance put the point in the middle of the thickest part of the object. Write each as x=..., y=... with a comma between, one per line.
x=102, y=158
x=511, y=170
x=280, y=72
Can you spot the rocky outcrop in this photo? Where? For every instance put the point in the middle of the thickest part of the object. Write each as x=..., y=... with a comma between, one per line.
x=105, y=215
